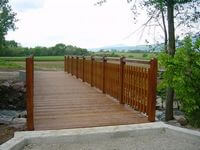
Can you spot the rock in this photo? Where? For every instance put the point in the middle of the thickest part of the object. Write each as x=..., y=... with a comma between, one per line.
x=6, y=116
x=18, y=123
x=174, y=122
x=182, y=120
x=178, y=113
x=160, y=115
x=12, y=95
x=9, y=113
x=6, y=84
x=23, y=114
x=5, y=120
x=18, y=86
x=14, y=119
x=22, y=75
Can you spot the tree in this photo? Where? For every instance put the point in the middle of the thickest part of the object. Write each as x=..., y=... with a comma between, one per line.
x=7, y=20
x=11, y=43
x=170, y=4
x=183, y=18
x=183, y=70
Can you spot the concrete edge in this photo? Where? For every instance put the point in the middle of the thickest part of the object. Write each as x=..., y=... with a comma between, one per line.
x=14, y=144
x=22, y=138
x=182, y=130
x=84, y=131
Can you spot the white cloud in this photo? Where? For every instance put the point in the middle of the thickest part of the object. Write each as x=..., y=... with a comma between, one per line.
x=74, y=22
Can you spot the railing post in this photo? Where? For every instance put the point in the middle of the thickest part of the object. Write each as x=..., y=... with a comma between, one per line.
x=152, y=83
x=92, y=62
x=72, y=59
x=83, y=69
x=77, y=67
x=68, y=71
x=65, y=64
x=122, y=64
x=29, y=92
x=104, y=74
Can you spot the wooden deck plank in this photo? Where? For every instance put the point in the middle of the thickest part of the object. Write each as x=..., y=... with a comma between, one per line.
x=61, y=102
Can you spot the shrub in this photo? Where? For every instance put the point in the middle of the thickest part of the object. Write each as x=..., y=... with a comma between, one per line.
x=182, y=72
x=145, y=55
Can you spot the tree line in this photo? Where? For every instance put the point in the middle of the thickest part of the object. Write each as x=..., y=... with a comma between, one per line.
x=12, y=49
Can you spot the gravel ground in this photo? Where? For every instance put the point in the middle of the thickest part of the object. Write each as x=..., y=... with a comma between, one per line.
x=148, y=142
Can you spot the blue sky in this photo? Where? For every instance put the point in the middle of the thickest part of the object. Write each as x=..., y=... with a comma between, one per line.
x=76, y=22
x=25, y=5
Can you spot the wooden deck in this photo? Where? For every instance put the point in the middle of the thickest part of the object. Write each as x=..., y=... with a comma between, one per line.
x=61, y=101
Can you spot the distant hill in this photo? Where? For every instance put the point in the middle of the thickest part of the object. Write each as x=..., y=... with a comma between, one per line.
x=156, y=47
x=121, y=47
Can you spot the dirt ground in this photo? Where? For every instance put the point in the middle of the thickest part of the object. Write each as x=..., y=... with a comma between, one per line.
x=6, y=133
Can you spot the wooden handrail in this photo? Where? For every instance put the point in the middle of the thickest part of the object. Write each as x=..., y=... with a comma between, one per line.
x=131, y=84
x=138, y=61
x=30, y=92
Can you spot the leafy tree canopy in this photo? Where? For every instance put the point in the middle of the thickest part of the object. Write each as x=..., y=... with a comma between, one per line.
x=7, y=20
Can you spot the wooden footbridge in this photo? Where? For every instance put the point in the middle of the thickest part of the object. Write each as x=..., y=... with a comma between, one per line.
x=91, y=92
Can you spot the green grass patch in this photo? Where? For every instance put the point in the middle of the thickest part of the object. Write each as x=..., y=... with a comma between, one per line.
x=144, y=56
x=36, y=58
x=9, y=65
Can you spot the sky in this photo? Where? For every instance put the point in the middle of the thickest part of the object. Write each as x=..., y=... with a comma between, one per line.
x=76, y=22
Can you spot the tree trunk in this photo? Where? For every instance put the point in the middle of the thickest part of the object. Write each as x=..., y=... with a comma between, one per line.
x=164, y=27
x=171, y=51
x=171, y=31
x=169, y=104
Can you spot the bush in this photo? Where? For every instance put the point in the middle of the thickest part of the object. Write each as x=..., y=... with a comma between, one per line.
x=182, y=72
x=145, y=55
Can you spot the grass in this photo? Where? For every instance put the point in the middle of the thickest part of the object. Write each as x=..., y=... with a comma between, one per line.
x=38, y=65
x=36, y=58
x=144, y=56
x=57, y=62
x=6, y=65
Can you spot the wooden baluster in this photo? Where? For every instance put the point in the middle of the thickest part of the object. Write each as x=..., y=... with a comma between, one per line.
x=77, y=76
x=142, y=89
x=136, y=88
x=133, y=88
x=152, y=89
x=69, y=64
x=92, y=70
x=122, y=64
x=139, y=79
x=65, y=64
x=83, y=69
x=72, y=65
x=129, y=85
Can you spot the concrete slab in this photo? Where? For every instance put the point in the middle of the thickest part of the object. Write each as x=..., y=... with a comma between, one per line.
x=138, y=136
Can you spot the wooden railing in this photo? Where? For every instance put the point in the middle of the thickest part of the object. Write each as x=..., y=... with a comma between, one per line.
x=131, y=82
x=29, y=92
